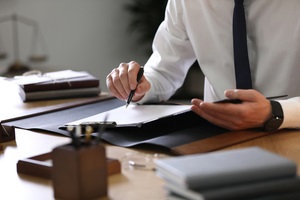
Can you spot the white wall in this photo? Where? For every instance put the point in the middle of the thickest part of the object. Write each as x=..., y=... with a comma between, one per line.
x=89, y=35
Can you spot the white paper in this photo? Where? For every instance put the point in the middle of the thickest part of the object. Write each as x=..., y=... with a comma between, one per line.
x=134, y=114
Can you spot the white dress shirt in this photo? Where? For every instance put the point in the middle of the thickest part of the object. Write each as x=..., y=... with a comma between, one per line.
x=202, y=30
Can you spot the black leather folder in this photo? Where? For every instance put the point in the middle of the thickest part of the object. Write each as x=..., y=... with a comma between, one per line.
x=186, y=133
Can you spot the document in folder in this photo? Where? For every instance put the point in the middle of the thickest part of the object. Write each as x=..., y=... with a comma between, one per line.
x=133, y=115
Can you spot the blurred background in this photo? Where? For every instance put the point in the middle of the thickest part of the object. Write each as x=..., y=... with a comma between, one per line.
x=85, y=35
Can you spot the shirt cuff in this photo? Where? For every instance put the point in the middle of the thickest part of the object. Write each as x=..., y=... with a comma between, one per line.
x=291, y=113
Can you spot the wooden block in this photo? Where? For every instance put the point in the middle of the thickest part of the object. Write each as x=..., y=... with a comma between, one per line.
x=41, y=166
x=79, y=173
x=7, y=133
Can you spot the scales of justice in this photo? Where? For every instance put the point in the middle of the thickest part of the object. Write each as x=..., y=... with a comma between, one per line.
x=37, y=42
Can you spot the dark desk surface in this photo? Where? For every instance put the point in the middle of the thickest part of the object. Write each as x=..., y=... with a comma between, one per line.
x=130, y=184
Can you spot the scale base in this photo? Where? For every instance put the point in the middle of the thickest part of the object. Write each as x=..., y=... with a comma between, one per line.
x=16, y=68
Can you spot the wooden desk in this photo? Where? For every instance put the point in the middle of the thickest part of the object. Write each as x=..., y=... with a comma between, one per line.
x=130, y=184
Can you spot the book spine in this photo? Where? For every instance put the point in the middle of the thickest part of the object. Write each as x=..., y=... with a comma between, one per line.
x=265, y=190
x=284, y=170
x=60, y=85
x=260, y=189
x=42, y=95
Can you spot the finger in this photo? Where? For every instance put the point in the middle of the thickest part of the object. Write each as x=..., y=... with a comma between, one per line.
x=142, y=88
x=196, y=106
x=133, y=69
x=226, y=109
x=229, y=123
x=218, y=108
x=196, y=101
x=230, y=116
x=209, y=117
x=225, y=112
x=244, y=95
x=117, y=84
x=113, y=90
x=123, y=77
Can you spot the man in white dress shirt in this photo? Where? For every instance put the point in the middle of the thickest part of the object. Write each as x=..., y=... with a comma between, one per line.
x=202, y=30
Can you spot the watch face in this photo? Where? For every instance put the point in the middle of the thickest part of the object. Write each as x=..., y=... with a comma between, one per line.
x=273, y=124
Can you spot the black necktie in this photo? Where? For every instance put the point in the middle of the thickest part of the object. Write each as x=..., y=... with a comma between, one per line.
x=241, y=60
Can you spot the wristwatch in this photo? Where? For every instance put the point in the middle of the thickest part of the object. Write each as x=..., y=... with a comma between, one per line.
x=276, y=120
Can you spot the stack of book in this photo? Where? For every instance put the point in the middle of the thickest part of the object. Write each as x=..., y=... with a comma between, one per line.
x=250, y=173
x=56, y=85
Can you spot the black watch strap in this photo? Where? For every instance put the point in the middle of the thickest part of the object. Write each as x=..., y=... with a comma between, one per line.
x=276, y=119
x=276, y=109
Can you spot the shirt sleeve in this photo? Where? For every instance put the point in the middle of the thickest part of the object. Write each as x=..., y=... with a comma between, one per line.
x=172, y=56
x=291, y=112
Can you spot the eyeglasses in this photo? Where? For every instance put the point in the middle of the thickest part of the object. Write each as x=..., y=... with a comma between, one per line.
x=142, y=161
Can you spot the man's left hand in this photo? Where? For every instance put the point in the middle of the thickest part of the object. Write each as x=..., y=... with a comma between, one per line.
x=252, y=112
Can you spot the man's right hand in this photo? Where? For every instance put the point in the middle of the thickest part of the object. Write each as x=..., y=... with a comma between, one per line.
x=120, y=81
